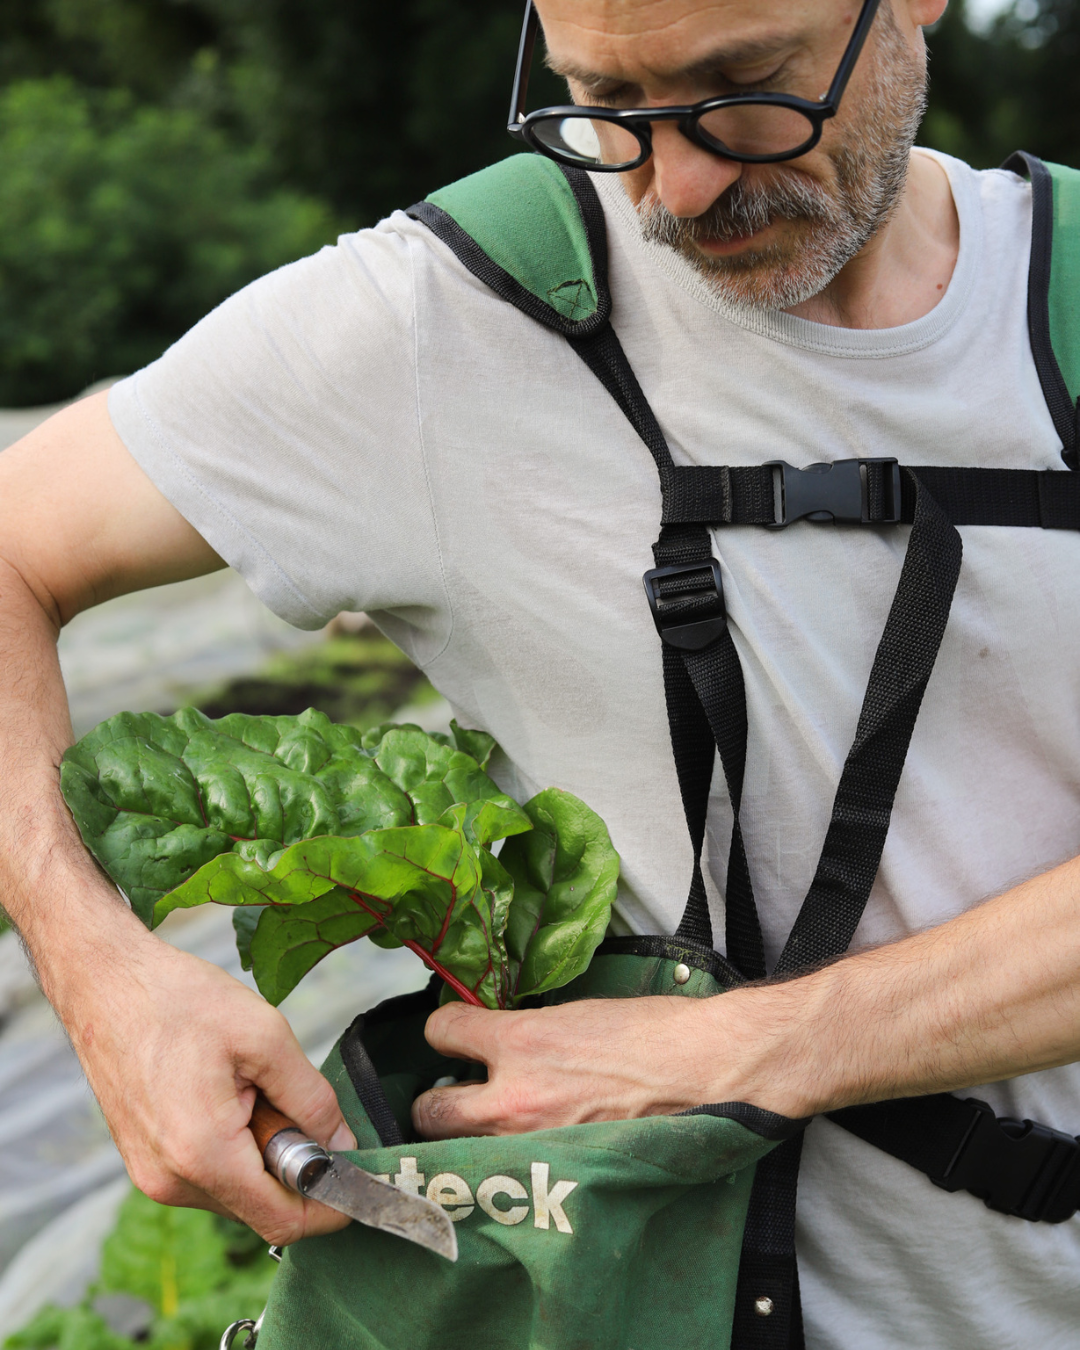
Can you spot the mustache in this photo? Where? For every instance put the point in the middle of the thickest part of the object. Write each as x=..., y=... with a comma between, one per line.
x=740, y=211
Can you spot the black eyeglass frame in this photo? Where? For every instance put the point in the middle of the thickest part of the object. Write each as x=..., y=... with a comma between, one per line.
x=638, y=120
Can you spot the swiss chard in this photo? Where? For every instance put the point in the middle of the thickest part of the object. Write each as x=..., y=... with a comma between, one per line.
x=319, y=836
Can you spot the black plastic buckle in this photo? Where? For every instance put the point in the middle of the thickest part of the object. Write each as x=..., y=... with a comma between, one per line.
x=838, y=492
x=1016, y=1167
x=702, y=580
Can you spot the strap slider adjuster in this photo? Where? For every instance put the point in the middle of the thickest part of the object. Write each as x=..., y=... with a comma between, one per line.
x=847, y=492
x=1016, y=1167
x=687, y=603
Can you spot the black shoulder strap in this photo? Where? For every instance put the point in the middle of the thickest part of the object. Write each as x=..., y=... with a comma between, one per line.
x=1065, y=413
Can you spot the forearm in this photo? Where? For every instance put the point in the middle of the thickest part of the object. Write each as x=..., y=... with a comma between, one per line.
x=49, y=885
x=173, y=1048
x=989, y=995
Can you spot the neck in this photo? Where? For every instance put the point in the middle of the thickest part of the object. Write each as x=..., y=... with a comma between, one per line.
x=903, y=271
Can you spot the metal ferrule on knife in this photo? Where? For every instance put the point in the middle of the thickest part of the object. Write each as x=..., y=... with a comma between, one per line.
x=295, y=1160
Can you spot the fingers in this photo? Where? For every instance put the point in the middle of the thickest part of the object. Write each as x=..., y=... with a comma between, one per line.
x=602, y=1059
x=452, y=1112
x=291, y=1083
x=279, y=1215
x=175, y=1057
x=459, y=1031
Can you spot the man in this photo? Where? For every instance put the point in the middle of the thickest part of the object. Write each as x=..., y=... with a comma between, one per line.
x=371, y=428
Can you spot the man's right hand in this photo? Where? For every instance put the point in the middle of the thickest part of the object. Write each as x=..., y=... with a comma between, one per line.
x=173, y=1047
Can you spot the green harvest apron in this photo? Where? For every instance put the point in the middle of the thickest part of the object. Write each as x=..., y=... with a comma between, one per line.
x=621, y=1235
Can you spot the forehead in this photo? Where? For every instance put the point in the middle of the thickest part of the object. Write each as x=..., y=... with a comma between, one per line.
x=656, y=37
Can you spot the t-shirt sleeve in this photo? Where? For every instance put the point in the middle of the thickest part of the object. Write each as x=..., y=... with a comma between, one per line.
x=284, y=427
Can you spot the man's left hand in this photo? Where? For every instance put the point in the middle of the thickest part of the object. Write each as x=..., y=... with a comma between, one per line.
x=598, y=1059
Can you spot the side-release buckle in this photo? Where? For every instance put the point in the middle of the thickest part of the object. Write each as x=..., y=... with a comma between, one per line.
x=687, y=603
x=847, y=492
x=1016, y=1167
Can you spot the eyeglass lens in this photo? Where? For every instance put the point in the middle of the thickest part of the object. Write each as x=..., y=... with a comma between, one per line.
x=754, y=130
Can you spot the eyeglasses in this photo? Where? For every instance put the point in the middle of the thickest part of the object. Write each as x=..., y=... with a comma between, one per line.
x=750, y=128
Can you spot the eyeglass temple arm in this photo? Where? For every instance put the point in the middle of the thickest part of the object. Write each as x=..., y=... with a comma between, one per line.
x=847, y=62
x=521, y=74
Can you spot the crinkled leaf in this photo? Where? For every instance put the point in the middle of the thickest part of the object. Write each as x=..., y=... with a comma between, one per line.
x=422, y=884
x=318, y=836
x=497, y=886
x=433, y=775
x=565, y=872
x=156, y=798
x=230, y=879
x=486, y=821
x=476, y=743
x=288, y=941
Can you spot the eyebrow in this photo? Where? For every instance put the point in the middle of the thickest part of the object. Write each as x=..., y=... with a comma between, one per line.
x=736, y=53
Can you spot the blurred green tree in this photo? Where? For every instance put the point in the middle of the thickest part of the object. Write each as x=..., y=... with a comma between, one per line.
x=120, y=226
x=1014, y=86
x=374, y=105
x=193, y=141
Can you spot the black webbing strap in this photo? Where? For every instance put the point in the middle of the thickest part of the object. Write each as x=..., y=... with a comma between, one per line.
x=841, y=887
x=687, y=552
x=684, y=591
x=863, y=804
x=368, y=1086
x=1016, y=1167
x=865, y=492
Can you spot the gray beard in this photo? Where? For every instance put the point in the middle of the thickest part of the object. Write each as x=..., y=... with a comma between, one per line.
x=836, y=221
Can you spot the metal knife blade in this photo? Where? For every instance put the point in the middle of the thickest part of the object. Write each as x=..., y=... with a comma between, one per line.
x=350, y=1190
x=301, y=1164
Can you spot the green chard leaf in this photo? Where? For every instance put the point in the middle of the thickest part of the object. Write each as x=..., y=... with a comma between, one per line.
x=288, y=941
x=565, y=873
x=156, y=798
x=244, y=921
x=162, y=1255
x=422, y=885
x=476, y=743
x=318, y=836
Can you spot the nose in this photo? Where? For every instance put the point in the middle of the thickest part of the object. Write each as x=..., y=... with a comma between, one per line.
x=686, y=178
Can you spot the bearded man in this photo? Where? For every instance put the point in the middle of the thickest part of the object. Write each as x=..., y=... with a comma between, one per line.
x=373, y=429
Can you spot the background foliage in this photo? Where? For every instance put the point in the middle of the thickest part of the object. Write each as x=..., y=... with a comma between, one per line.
x=157, y=154
x=171, y=1279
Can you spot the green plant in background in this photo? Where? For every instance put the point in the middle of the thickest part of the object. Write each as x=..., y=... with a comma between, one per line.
x=1010, y=86
x=359, y=678
x=171, y=1278
x=120, y=226
x=191, y=146
x=320, y=835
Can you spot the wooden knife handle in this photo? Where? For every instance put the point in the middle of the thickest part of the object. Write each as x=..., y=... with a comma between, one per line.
x=266, y=1122
x=287, y=1152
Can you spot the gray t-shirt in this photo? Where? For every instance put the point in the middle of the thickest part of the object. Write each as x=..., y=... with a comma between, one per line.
x=373, y=429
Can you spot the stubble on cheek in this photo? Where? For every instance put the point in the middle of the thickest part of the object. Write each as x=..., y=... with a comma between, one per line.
x=811, y=228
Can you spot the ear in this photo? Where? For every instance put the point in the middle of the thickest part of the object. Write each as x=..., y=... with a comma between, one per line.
x=922, y=13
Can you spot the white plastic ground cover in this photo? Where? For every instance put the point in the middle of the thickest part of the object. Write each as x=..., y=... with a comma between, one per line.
x=59, y=1171
x=60, y=1261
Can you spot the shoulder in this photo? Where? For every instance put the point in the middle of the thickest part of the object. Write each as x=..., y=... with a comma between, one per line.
x=996, y=189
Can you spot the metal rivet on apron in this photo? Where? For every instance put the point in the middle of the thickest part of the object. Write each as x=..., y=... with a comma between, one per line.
x=763, y=1306
x=681, y=973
